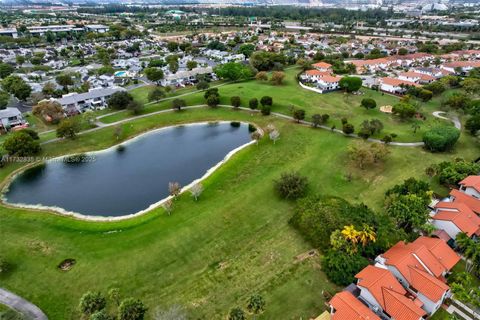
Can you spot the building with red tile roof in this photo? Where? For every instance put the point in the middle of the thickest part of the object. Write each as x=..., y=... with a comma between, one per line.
x=344, y=306
x=471, y=186
x=416, y=77
x=322, y=66
x=380, y=288
x=394, y=85
x=456, y=217
x=420, y=267
x=458, y=196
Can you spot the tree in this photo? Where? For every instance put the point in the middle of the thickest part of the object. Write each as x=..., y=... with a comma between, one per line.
x=202, y=85
x=4, y=99
x=440, y=139
x=236, y=313
x=246, y=49
x=341, y=267
x=172, y=46
x=5, y=70
x=266, y=61
x=100, y=315
x=178, y=104
x=253, y=103
x=365, y=154
x=266, y=101
x=404, y=110
x=256, y=136
x=234, y=71
x=368, y=103
x=173, y=66
x=174, y=189
x=213, y=101
x=317, y=120
x=261, y=76
x=196, y=190
x=291, y=185
x=409, y=211
x=299, y=115
x=50, y=111
x=277, y=77
x=156, y=94
x=119, y=100
x=350, y=84
x=450, y=173
x=471, y=85
x=92, y=302
x=21, y=144
x=369, y=128
x=402, y=51
x=473, y=124
x=131, y=309
x=16, y=86
x=235, y=101
x=68, y=128
x=168, y=206
x=135, y=107
x=114, y=295
x=191, y=64
x=348, y=128
x=64, y=80
x=153, y=74
x=436, y=87
x=256, y=303
x=425, y=95
x=458, y=101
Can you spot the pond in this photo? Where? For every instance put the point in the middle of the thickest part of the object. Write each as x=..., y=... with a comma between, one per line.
x=115, y=182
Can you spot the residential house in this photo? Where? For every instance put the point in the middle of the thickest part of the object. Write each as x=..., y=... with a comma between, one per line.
x=314, y=75
x=471, y=186
x=471, y=202
x=395, y=86
x=416, y=77
x=463, y=67
x=454, y=218
x=421, y=267
x=93, y=99
x=379, y=288
x=11, y=117
x=323, y=67
x=344, y=306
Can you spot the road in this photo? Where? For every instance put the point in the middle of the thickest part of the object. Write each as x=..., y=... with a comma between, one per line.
x=27, y=309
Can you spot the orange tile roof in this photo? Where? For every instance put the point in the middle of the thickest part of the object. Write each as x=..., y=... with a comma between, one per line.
x=389, y=293
x=461, y=215
x=440, y=249
x=462, y=64
x=401, y=307
x=347, y=307
x=470, y=201
x=397, y=82
x=404, y=257
x=322, y=65
x=421, y=76
x=330, y=79
x=317, y=73
x=472, y=182
x=429, y=286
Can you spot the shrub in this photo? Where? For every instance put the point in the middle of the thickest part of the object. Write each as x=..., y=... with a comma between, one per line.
x=178, y=104
x=92, y=302
x=235, y=101
x=291, y=185
x=213, y=101
x=119, y=100
x=368, y=103
x=450, y=173
x=235, y=124
x=236, y=314
x=21, y=144
x=4, y=266
x=266, y=101
x=131, y=309
x=441, y=139
x=265, y=110
x=404, y=110
x=68, y=128
x=253, y=103
x=348, y=128
x=251, y=128
x=156, y=94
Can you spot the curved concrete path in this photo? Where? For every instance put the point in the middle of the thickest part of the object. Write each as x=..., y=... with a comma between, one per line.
x=101, y=125
x=454, y=119
x=27, y=309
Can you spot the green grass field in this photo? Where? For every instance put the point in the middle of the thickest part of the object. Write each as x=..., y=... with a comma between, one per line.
x=337, y=104
x=210, y=255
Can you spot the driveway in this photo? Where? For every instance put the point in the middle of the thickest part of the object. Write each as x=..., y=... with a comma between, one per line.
x=27, y=309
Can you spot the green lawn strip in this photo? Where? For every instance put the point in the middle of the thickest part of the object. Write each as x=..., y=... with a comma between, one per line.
x=337, y=104
x=209, y=255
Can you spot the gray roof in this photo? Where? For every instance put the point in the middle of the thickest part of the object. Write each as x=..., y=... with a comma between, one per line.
x=92, y=94
x=9, y=112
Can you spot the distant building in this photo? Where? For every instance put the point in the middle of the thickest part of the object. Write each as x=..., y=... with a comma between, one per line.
x=93, y=99
x=11, y=32
x=10, y=118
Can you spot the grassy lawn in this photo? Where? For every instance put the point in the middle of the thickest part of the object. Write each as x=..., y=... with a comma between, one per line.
x=441, y=314
x=210, y=255
x=337, y=104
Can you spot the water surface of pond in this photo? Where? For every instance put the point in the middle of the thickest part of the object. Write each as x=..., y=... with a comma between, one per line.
x=123, y=183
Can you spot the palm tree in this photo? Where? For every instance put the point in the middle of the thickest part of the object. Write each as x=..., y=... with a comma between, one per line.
x=366, y=235
x=350, y=234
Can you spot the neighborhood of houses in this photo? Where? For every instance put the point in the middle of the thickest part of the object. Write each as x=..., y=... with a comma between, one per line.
x=408, y=281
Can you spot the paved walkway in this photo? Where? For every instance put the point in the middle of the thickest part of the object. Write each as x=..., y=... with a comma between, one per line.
x=27, y=309
x=454, y=119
